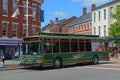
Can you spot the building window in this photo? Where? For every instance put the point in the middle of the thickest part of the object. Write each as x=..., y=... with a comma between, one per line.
x=4, y=29
x=76, y=28
x=104, y=30
x=34, y=10
x=104, y=13
x=5, y=7
x=15, y=8
x=14, y=30
x=94, y=30
x=99, y=15
x=90, y=33
x=25, y=8
x=84, y=26
x=99, y=30
x=81, y=27
x=94, y=17
x=88, y=26
x=69, y=29
x=72, y=30
x=111, y=11
x=24, y=31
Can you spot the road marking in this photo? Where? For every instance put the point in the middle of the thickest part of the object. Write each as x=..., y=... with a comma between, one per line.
x=102, y=68
x=111, y=66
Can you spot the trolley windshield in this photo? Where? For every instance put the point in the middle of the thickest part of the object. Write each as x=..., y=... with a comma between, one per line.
x=31, y=48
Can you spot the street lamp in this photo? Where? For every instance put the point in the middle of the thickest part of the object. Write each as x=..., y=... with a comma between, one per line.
x=27, y=15
x=27, y=18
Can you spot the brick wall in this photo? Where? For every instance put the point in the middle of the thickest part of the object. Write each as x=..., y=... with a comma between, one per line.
x=20, y=19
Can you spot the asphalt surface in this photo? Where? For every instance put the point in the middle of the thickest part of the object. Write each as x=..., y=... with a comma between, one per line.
x=84, y=72
x=15, y=64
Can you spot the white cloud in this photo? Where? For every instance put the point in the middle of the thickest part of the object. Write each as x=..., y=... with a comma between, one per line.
x=88, y=3
x=60, y=14
x=76, y=1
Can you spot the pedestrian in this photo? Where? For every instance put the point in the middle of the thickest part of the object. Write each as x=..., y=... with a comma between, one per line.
x=118, y=50
x=17, y=54
x=2, y=55
x=115, y=53
x=2, y=58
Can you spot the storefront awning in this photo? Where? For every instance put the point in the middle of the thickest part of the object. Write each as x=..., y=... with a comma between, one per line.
x=10, y=43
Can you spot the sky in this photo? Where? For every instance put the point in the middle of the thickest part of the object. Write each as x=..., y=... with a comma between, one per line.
x=66, y=8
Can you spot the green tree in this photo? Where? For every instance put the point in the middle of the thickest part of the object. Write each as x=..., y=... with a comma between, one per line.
x=114, y=30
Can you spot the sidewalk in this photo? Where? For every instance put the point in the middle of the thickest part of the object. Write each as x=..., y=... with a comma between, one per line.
x=115, y=60
x=11, y=65
x=113, y=63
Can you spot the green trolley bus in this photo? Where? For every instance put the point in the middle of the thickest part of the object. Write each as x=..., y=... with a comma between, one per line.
x=53, y=49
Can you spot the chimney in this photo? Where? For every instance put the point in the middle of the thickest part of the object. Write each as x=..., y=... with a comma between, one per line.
x=93, y=7
x=56, y=19
x=84, y=11
x=51, y=21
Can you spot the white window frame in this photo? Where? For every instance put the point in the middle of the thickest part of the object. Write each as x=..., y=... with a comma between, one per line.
x=105, y=14
x=14, y=30
x=99, y=15
x=94, y=16
x=105, y=30
x=34, y=29
x=99, y=33
x=6, y=8
x=94, y=30
x=33, y=11
x=6, y=30
x=111, y=11
x=25, y=30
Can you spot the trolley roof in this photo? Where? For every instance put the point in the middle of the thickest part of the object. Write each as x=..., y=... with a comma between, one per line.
x=60, y=35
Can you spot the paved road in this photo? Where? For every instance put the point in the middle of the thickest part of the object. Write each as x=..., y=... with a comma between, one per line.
x=84, y=72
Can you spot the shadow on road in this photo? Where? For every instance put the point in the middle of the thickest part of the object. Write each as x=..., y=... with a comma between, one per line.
x=106, y=62
x=67, y=66
x=52, y=68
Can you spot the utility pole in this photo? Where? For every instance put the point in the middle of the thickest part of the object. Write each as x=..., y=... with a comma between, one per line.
x=27, y=25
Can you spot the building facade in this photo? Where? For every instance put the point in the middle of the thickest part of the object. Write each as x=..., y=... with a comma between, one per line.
x=82, y=25
x=13, y=24
x=57, y=25
x=102, y=18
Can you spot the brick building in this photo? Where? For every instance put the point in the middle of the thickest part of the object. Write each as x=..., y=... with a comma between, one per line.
x=13, y=23
x=82, y=25
x=57, y=25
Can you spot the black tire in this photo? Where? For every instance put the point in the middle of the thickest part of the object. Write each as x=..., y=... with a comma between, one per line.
x=95, y=60
x=40, y=66
x=57, y=63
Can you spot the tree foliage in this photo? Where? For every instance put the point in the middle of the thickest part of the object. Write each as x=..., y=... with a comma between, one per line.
x=114, y=30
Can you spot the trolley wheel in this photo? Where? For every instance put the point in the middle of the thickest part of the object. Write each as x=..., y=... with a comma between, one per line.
x=95, y=60
x=57, y=63
x=40, y=66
